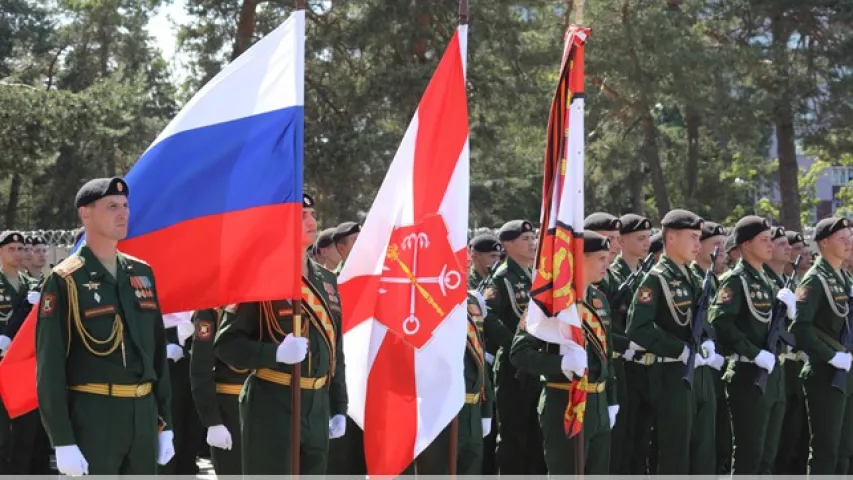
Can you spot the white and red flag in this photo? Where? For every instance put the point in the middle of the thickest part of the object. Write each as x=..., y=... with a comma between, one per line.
x=403, y=287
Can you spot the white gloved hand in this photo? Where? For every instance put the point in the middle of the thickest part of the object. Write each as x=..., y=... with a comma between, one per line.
x=337, y=426
x=841, y=361
x=629, y=354
x=4, y=343
x=33, y=297
x=685, y=355
x=804, y=357
x=708, y=349
x=765, y=360
x=633, y=346
x=612, y=411
x=218, y=436
x=574, y=362
x=165, y=447
x=70, y=461
x=716, y=362
x=490, y=359
x=487, y=427
x=292, y=350
x=700, y=360
x=787, y=297
x=174, y=352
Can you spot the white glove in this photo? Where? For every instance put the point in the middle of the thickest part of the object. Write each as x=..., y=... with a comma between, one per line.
x=708, y=349
x=633, y=346
x=700, y=360
x=33, y=297
x=490, y=359
x=629, y=354
x=685, y=355
x=787, y=297
x=70, y=461
x=292, y=350
x=487, y=427
x=4, y=343
x=613, y=410
x=574, y=362
x=805, y=357
x=716, y=362
x=174, y=352
x=841, y=361
x=766, y=360
x=218, y=436
x=337, y=426
x=165, y=447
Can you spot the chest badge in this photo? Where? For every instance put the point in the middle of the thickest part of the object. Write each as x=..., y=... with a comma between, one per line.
x=91, y=286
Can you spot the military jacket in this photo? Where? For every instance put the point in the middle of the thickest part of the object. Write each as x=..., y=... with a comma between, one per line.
x=618, y=272
x=82, y=304
x=207, y=370
x=14, y=306
x=474, y=279
x=778, y=280
x=742, y=310
x=699, y=273
x=477, y=380
x=507, y=295
x=821, y=318
x=249, y=337
x=660, y=318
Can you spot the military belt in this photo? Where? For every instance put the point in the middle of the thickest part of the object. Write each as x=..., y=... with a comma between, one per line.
x=282, y=378
x=229, y=388
x=583, y=385
x=668, y=360
x=113, y=390
x=616, y=355
x=794, y=356
x=472, y=398
x=745, y=359
x=645, y=359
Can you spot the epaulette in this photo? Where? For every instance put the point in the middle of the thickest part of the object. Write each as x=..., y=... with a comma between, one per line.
x=502, y=268
x=134, y=259
x=69, y=266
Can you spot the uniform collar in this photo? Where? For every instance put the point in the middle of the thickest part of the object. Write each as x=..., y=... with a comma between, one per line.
x=96, y=269
x=518, y=269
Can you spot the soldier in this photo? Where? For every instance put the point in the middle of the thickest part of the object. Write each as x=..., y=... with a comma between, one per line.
x=741, y=315
x=38, y=258
x=325, y=250
x=102, y=377
x=485, y=253
x=821, y=320
x=216, y=388
x=660, y=321
x=656, y=245
x=609, y=226
x=793, y=454
x=732, y=251
x=185, y=421
x=519, y=449
x=541, y=358
x=775, y=267
x=344, y=237
x=799, y=248
x=258, y=336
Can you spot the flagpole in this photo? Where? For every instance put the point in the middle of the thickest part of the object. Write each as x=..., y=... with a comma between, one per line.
x=296, y=375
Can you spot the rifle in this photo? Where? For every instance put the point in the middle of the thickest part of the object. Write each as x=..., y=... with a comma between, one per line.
x=778, y=335
x=627, y=288
x=700, y=321
x=839, y=379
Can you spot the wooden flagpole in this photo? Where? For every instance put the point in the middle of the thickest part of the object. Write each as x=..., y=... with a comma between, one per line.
x=296, y=372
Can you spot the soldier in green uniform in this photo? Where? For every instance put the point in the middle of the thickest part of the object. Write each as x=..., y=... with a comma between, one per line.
x=38, y=257
x=799, y=248
x=185, y=422
x=609, y=226
x=259, y=336
x=216, y=388
x=344, y=237
x=660, y=321
x=656, y=245
x=821, y=320
x=324, y=249
x=732, y=251
x=633, y=430
x=519, y=450
x=101, y=372
x=538, y=357
x=741, y=315
x=775, y=267
x=485, y=253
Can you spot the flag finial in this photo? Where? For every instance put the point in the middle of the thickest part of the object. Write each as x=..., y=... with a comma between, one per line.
x=463, y=12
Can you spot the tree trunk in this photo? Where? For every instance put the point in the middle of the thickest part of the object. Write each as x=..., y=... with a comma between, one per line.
x=14, y=198
x=693, y=121
x=245, y=28
x=651, y=153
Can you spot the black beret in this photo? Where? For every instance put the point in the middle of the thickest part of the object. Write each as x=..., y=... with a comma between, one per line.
x=829, y=226
x=749, y=227
x=602, y=222
x=99, y=188
x=682, y=220
x=794, y=237
x=656, y=244
x=631, y=222
x=595, y=242
x=326, y=238
x=11, y=236
x=307, y=201
x=485, y=244
x=711, y=229
x=36, y=240
x=730, y=242
x=513, y=229
x=777, y=233
x=345, y=229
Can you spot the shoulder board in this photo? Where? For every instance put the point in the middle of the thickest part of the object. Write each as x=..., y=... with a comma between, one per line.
x=501, y=270
x=657, y=270
x=133, y=259
x=69, y=266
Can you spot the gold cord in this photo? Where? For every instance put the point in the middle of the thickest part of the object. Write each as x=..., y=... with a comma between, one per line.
x=116, y=337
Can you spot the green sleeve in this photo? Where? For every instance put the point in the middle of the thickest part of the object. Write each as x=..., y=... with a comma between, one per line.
x=809, y=295
x=497, y=333
x=611, y=370
x=487, y=409
x=236, y=341
x=339, y=400
x=163, y=385
x=202, y=362
x=641, y=325
x=728, y=302
x=51, y=343
x=527, y=355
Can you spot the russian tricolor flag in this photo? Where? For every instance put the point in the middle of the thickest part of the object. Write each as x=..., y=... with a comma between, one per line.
x=216, y=200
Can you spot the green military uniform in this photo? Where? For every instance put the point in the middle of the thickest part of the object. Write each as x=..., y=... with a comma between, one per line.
x=102, y=377
x=216, y=387
x=249, y=338
x=185, y=422
x=660, y=320
x=478, y=406
x=822, y=317
x=741, y=316
x=537, y=357
x=474, y=279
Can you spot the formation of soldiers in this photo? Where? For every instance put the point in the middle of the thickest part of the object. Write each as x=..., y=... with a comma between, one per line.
x=708, y=351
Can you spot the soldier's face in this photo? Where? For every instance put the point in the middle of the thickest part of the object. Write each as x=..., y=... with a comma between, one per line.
x=707, y=249
x=595, y=266
x=523, y=247
x=28, y=255
x=760, y=247
x=615, y=243
x=838, y=245
x=734, y=256
x=682, y=246
x=781, y=250
x=12, y=255
x=39, y=257
x=483, y=261
x=107, y=217
x=309, y=227
x=635, y=244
